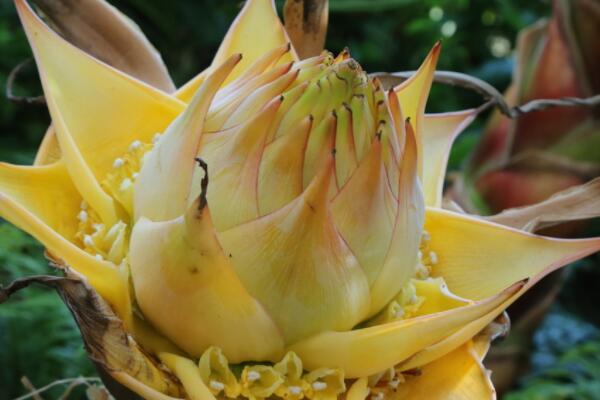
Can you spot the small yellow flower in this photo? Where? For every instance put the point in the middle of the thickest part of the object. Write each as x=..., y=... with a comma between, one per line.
x=294, y=387
x=271, y=229
x=260, y=381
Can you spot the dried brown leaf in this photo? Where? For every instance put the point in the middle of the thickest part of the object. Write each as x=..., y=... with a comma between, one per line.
x=576, y=203
x=306, y=25
x=102, y=31
x=107, y=343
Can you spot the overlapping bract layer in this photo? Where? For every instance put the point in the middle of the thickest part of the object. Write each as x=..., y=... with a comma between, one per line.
x=305, y=235
x=335, y=231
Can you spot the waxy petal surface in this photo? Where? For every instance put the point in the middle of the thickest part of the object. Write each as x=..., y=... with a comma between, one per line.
x=93, y=125
x=438, y=134
x=363, y=352
x=296, y=264
x=401, y=258
x=475, y=262
x=256, y=30
x=459, y=375
x=44, y=202
x=202, y=302
x=163, y=187
x=413, y=94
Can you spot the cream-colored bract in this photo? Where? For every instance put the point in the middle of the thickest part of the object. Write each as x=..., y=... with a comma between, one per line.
x=311, y=246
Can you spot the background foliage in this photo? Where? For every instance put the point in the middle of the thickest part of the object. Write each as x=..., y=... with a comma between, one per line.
x=37, y=335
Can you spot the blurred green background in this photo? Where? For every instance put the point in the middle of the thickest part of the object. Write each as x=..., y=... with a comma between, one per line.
x=37, y=335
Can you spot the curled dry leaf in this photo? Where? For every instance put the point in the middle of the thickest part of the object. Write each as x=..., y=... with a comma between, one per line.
x=102, y=31
x=576, y=203
x=107, y=343
x=306, y=24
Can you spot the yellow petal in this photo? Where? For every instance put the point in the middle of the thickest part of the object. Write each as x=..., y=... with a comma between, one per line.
x=319, y=148
x=259, y=381
x=456, y=376
x=202, y=302
x=436, y=296
x=293, y=386
x=359, y=390
x=93, y=126
x=438, y=134
x=364, y=213
x=47, y=192
x=326, y=384
x=233, y=163
x=215, y=373
x=475, y=262
x=104, y=32
x=49, y=150
x=257, y=100
x=298, y=266
x=363, y=126
x=189, y=375
x=142, y=389
x=413, y=94
x=256, y=30
x=226, y=105
x=401, y=258
x=345, y=155
x=44, y=202
x=258, y=66
x=280, y=178
x=542, y=256
x=367, y=351
x=187, y=91
x=163, y=187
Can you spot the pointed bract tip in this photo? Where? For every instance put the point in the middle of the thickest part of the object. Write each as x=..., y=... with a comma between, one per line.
x=203, y=183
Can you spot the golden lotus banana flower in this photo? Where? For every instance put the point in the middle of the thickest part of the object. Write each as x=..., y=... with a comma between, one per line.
x=271, y=229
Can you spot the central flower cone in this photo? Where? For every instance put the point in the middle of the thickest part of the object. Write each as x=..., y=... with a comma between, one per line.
x=272, y=228
x=310, y=204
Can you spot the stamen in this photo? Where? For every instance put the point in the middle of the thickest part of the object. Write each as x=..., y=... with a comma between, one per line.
x=99, y=257
x=413, y=299
x=433, y=258
x=118, y=163
x=426, y=236
x=318, y=386
x=84, y=205
x=253, y=376
x=377, y=396
x=216, y=385
x=126, y=184
x=295, y=390
x=136, y=144
x=156, y=138
x=88, y=241
x=399, y=313
x=82, y=216
x=394, y=383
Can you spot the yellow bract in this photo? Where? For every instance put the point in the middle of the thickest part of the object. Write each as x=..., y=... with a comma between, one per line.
x=302, y=251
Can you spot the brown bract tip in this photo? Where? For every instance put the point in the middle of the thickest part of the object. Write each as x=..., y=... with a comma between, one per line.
x=203, y=183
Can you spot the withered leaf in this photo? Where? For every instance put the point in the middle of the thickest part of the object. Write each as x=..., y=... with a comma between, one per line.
x=306, y=24
x=575, y=203
x=107, y=343
x=102, y=31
